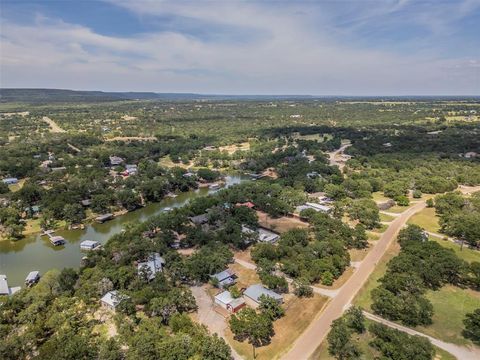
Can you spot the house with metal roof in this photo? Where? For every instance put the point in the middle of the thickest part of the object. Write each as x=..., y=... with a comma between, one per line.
x=228, y=302
x=5, y=289
x=112, y=299
x=152, y=266
x=104, y=217
x=89, y=245
x=199, y=219
x=314, y=206
x=225, y=278
x=10, y=181
x=253, y=293
x=265, y=235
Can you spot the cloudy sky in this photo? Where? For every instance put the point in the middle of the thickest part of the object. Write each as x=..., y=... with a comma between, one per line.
x=356, y=47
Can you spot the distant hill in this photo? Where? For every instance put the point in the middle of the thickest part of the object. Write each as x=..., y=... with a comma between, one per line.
x=58, y=95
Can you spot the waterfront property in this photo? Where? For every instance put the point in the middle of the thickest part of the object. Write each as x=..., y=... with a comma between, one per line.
x=57, y=240
x=5, y=289
x=32, y=278
x=104, y=217
x=89, y=245
x=226, y=301
x=253, y=293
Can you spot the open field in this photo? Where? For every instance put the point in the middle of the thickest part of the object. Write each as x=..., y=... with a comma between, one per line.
x=450, y=305
x=386, y=217
x=298, y=315
x=246, y=277
x=427, y=219
x=281, y=224
x=469, y=255
x=231, y=149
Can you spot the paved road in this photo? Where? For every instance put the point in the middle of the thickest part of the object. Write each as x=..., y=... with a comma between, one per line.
x=460, y=352
x=209, y=317
x=313, y=336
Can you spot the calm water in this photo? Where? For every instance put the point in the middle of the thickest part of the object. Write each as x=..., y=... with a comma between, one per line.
x=18, y=258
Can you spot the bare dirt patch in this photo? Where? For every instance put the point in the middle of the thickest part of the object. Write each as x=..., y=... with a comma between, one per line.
x=231, y=149
x=281, y=224
x=54, y=127
x=132, y=138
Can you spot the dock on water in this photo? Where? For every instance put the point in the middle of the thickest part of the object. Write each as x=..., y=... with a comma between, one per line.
x=56, y=240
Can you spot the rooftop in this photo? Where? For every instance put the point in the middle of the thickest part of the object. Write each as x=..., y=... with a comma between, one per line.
x=255, y=291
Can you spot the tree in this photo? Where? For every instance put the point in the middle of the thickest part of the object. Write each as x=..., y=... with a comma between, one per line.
x=67, y=279
x=302, y=289
x=402, y=200
x=73, y=213
x=417, y=194
x=430, y=203
x=257, y=329
x=365, y=211
x=339, y=342
x=472, y=326
x=270, y=307
x=355, y=319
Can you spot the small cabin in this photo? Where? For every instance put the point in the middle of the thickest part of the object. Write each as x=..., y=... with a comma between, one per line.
x=112, y=299
x=32, y=278
x=225, y=278
x=88, y=245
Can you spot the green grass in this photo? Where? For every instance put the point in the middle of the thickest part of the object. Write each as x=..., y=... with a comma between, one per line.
x=466, y=254
x=386, y=218
x=398, y=209
x=427, y=219
x=368, y=353
x=378, y=196
x=450, y=305
x=363, y=298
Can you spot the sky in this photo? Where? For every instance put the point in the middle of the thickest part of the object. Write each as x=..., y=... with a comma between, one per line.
x=357, y=47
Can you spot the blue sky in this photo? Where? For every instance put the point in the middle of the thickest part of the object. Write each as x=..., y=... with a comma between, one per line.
x=378, y=47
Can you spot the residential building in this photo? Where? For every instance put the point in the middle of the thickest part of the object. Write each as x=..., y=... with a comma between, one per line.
x=226, y=301
x=253, y=293
x=265, y=235
x=152, y=266
x=225, y=278
x=112, y=299
x=89, y=245
x=10, y=181
x=116, y=160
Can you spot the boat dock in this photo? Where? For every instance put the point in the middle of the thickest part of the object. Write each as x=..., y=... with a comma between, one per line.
x=56, y=240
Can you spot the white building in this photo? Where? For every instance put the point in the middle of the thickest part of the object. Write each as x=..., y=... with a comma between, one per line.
x=152, y=266
x=226, y=301
x=112, y=299
x=89, y=245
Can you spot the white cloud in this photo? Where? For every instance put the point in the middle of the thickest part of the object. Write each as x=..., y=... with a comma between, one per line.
x=295, y=55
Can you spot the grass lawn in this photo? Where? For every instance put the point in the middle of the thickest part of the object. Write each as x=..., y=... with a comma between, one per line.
x=427, y=219
x=17, y=186
x=386, y=218
x=373, y=236
x=368, y=353
x=363, y=298
x=450, y=305
x=398, y=209
x=281, y=224
x=299, y=313
x=358, y=254
x=379, y=197
x=381, y=228
x=246, y=277
x=469, y=255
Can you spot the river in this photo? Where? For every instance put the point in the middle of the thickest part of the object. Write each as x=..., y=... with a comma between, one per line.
x=35, y=252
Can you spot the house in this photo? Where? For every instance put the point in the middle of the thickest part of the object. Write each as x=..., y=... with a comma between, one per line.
x=58, y=169
x=10, y=181
x=152, y=266
x=32, y=278
x=254, y=292
x=314, y=206
x=199, y=219
x=35, y=209
x=313, y=175
x=112, y=299
x=265, y=235
x=89, y=245
x=131, y=169
x=188, y=174
x=226, y=301
x=387, y=144
x=225, y=278
x=5, y=289
x=115, y=160
x=104, y=217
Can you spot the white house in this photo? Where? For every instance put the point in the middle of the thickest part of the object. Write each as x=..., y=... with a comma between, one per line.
x=152, y=266
x=112, y=299
x=89, y=245
x=314, y=206
x=226, y=301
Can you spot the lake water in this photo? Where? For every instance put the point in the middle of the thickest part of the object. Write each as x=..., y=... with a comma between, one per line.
x=36, y=252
